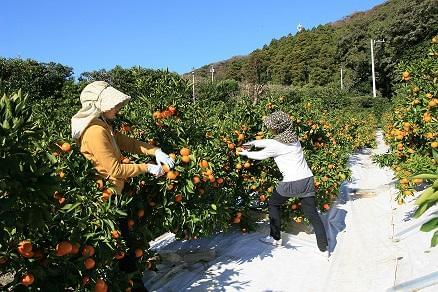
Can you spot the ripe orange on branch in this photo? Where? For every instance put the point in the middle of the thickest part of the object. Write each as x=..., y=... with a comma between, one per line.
x=63, y=248
x=27, y=279
x=89, y=263
x=24, y=248
x=184, y=151
x=101, y=286
x=88, y=250
x=66, y=147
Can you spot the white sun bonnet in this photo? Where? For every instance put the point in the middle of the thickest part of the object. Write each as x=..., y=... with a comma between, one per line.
x=96, y=98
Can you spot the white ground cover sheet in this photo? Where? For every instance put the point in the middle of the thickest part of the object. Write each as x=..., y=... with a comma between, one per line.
x=376, y=245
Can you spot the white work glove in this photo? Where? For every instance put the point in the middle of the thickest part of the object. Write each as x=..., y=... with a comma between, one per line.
x=243, y=153
x=155, y=170
x=163, y=158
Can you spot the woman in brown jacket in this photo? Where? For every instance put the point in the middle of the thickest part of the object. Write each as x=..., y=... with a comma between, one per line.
x=91, y=127
x=98, y=141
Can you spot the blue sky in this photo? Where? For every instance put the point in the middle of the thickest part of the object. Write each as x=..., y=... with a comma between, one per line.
x=94, y=34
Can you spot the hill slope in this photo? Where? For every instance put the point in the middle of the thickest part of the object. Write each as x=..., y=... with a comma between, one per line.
x=315, y=56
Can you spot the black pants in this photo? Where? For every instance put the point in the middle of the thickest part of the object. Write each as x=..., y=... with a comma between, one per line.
x=309, y=209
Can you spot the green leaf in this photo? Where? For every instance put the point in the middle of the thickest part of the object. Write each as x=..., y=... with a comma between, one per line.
x=190, y=187
x=110, y=223
x=70, y=207
x=120, y=212
x=424, y=196
x=426, y=176
x=435, y=154
x=213, y=206
x=423, y=208
x=430, y=225
x=434, y=240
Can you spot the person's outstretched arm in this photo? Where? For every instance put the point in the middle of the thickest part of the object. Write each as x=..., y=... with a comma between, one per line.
x=99, y=143
x=132, y=145
x=268, y=150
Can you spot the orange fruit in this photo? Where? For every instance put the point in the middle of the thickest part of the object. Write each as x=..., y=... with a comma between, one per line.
x=156, y=115
x=238, y=166
x=138, y=252
x=106, y=194
x=100, y=286
x=66, y=147
x=24, y=247
x=172, y=174
x=125, y=128
x=231, y=146
x=131, y=223
x=196, y=179
x=294, y=206
x=75, y=248
x=115, y=234
x=326, y=206
x=88, y=250
x=27, y=279
x=405, y=74
x=247, y=165
x=178, y=198
x=3, y=260
x=184, y=151
x=171, y=109
x=61, y=174
x=211, y=178
x=203, y=163
x=404, y=181
x=89, y=263
x=418, y=181
x=434, y=144
x=173, y=156
x=262, y=198
x=407, y=192
x=63, y=248
x=166, y=168
x=220, y=180
x=236, y=220
x=140, y=213
x=185, y=159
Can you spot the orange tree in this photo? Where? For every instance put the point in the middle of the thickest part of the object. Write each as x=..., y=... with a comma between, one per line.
x=411, y=128
x=68, y=235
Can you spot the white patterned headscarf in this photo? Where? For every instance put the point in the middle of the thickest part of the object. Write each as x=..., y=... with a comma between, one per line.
x=96, y=98
x=280, y=122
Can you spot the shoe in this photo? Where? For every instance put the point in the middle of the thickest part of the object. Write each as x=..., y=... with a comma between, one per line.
x=271, y=241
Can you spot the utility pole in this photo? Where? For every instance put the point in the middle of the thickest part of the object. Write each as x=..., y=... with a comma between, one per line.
x=373, y=42
x=342, y=84
x=193, y=83
x=212, y=73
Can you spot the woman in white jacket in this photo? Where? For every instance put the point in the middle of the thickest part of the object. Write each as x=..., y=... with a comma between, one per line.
x=297, y=180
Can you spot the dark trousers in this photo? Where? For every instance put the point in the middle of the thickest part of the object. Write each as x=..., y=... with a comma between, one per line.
x=309, y=209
